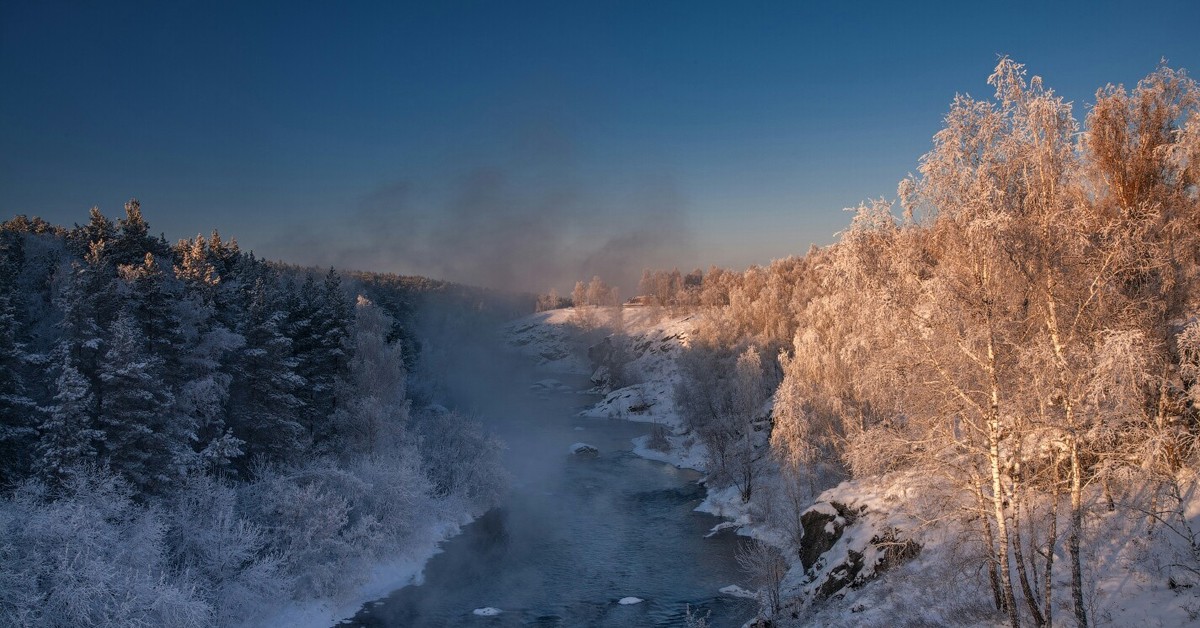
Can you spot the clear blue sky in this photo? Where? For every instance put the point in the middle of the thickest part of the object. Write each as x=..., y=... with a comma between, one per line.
x=321, y=133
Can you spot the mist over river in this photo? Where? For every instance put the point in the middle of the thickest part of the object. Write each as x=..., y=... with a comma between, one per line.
x=577, y=533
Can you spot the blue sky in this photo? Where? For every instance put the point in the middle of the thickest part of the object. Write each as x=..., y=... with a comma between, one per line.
x=358, y=134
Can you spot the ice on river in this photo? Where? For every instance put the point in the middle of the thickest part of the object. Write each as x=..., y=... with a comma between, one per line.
x=630, y=600
x=487, y=611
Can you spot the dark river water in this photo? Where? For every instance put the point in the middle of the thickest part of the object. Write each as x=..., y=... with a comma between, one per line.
x=576, y=534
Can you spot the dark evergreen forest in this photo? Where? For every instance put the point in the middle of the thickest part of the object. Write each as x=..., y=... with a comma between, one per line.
x=191, y=435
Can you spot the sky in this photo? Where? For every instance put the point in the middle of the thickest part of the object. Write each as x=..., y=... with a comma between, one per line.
x=519, y=144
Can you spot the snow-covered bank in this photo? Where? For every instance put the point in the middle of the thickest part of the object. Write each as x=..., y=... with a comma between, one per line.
x=873, y=552
x=381, y=579
x=548, y=339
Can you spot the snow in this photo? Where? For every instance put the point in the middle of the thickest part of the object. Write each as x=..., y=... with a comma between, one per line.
x=548, y=338
x=684, y=451
x=736, y=591
x=383, y=578
x=630, y=600
x=487, y=611
x=721, y=527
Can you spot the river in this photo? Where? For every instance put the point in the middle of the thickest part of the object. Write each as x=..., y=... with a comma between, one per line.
x=577, y=533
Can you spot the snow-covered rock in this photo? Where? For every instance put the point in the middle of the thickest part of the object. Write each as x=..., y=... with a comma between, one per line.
x=584, y=449
x=548, y=384
x=487, y=611
x=736, y=591
x=850, y=537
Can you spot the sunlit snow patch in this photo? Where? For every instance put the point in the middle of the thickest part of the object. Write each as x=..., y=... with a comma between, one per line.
x=487, y=611
x=630, y=600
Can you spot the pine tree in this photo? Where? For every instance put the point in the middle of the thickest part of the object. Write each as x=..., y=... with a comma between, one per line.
x=319, y=319
x=195, y=270
x=89, y=305
x=98, y=230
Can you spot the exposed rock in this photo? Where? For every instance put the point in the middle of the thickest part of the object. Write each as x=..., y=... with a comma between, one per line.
x=601, y=376
x=822, y=529
x=844, y=547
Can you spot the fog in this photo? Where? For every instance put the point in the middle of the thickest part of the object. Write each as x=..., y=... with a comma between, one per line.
x=528, y=223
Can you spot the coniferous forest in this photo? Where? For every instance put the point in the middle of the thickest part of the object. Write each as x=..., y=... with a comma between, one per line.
x=191, y=435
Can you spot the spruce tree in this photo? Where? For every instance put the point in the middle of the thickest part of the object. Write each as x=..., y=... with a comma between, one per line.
x=144, y=442
x=153, y=299
x=263, y=403
x=69, y=438
x=132, y=241
x=17, y=410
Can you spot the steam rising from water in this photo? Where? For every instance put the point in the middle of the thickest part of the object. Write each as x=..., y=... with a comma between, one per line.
x=522, y=227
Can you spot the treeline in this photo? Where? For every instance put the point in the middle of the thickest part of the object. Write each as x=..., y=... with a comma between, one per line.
x=190, y=435
x=1022, y=329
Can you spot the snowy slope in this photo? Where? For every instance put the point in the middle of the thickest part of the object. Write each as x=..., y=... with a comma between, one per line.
x=550, y=339
x=652, y=346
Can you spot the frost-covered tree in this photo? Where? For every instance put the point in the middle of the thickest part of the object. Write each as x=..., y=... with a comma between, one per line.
x=748, y=397
x=263, y=403
x=767, y=568
x=374, y=416
x=460, y=459
x=143, y=439
x=69, y=437
x=89, y=557
x=18, y=411
x=227, y=555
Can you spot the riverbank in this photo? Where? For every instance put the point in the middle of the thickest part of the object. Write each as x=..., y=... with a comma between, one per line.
x=381, y=579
